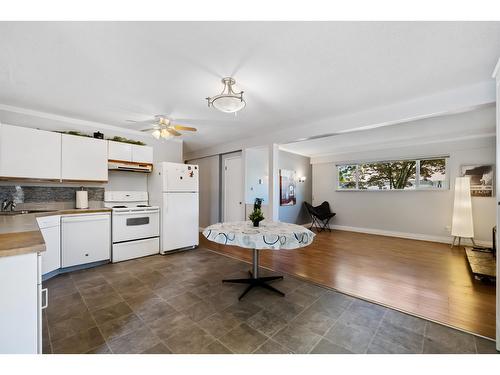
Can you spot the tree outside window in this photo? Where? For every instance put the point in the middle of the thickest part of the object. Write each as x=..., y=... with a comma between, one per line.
x=394, y=175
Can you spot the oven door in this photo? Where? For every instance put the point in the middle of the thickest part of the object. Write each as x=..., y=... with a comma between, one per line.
x=134, y=225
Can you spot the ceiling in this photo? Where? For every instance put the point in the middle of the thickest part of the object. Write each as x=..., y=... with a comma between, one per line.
x=472, y=124
x=292, y=73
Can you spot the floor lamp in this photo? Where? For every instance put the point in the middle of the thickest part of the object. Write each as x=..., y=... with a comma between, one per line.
x=462, y=225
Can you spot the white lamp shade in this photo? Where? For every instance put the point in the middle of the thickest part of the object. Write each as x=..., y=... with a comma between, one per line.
x=462, y=225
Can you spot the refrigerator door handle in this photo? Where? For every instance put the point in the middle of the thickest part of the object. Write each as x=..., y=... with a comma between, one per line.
x=45, y=292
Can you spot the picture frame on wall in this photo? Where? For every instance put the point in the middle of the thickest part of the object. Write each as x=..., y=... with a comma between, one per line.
x=288, y=187
x=482, y=178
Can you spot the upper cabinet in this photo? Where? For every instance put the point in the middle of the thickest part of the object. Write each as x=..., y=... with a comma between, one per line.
x=119, y=151
x=84, y=159
x=130, y=153
x=142, y=154
x=29, y=153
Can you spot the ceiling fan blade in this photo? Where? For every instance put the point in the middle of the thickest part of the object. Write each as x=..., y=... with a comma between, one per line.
x=187, y=128
x=150, y=129
x=174, y=132
x=146, y=122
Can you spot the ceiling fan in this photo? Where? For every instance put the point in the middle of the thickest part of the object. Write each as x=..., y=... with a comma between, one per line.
x=163, y=127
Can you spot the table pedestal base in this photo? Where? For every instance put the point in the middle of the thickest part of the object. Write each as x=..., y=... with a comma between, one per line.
x=255, y=280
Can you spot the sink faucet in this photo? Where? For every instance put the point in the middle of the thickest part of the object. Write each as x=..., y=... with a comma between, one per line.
x=6, y=204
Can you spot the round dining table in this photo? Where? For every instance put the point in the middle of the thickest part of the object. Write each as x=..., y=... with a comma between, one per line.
x=269, y=235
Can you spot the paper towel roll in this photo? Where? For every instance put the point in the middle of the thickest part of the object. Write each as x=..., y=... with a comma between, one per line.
x=82, y=199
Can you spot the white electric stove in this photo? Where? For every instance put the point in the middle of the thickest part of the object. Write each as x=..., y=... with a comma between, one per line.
x=135, y=225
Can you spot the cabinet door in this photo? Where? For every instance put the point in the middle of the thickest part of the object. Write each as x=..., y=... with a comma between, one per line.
x=119, y=151
x=84, y=158
x=29, y=153
x=142, y=154
x=51, y=257
x=85, y=239
x=19, y=304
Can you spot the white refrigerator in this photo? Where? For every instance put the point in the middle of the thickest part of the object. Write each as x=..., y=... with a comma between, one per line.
x=174, y=188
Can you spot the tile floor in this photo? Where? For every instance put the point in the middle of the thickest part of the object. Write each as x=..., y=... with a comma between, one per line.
x=178, y=304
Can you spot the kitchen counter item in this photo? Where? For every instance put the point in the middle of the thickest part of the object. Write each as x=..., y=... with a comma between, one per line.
x=82, y=199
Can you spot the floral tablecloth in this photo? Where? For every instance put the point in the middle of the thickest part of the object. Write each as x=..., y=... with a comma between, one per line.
x=272, y=235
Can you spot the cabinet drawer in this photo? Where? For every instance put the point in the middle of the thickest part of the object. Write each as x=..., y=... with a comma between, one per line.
x=85, y=239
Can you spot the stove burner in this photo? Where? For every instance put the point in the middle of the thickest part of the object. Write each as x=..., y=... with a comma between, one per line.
x=119, y=207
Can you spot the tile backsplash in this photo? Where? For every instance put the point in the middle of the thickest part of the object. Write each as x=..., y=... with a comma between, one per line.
x=45, y=194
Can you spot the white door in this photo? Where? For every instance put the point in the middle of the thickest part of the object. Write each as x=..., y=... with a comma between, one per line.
x=84, y=158
x=179, y=221
x=29, y=153
x=234, y=209
x=51, y=232
x=142, y=154
x=119, y=151
x=179, y=177
x=19, y=309
x=51, y=257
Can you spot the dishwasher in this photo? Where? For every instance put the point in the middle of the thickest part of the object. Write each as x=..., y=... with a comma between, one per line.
x=85, y=239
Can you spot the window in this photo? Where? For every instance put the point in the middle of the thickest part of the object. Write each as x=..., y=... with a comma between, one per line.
x=411, y=174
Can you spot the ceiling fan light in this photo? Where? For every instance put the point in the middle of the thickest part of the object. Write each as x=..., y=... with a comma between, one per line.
x=156, y=134
x=164, y=133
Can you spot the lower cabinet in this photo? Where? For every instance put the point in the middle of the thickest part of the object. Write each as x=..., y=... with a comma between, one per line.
x=50, y=227
x=85, y=239
x=21, y=304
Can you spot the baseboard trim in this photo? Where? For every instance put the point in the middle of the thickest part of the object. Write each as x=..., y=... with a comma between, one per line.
x=411, y=236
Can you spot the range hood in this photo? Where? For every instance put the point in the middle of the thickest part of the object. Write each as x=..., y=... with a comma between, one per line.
x=128, y=166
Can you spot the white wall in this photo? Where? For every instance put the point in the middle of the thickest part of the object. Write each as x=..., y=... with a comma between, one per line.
x=426, y=214
x=256, y=167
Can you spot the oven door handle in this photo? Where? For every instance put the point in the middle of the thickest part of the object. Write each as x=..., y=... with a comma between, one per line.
x=136, y=213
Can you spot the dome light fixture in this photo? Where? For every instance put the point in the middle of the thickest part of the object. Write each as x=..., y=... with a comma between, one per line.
x=227, y=101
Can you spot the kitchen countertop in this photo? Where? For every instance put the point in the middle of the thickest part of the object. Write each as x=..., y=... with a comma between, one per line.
x=19, y=234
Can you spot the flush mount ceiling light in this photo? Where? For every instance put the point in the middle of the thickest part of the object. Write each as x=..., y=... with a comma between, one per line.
x=227, y=101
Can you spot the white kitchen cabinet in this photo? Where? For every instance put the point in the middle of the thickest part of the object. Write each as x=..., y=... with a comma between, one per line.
x=29, y=153
x=84, y=158
x=119, y=151
x=21, y=304
x=142, y=154
x=50, y=226
x=85, y=239
x=129, y=152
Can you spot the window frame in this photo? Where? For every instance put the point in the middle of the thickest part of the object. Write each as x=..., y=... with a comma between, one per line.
x=417, y=174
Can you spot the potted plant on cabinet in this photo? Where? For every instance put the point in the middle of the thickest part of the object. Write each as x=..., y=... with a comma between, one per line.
x=256, y=217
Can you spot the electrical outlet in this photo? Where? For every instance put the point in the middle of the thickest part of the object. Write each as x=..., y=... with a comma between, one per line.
x=448, y=228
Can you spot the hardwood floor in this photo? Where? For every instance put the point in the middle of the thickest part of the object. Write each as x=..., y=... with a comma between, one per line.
x=426, y=279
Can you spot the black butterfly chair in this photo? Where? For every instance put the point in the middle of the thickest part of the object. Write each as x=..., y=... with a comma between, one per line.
x=320, y=215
